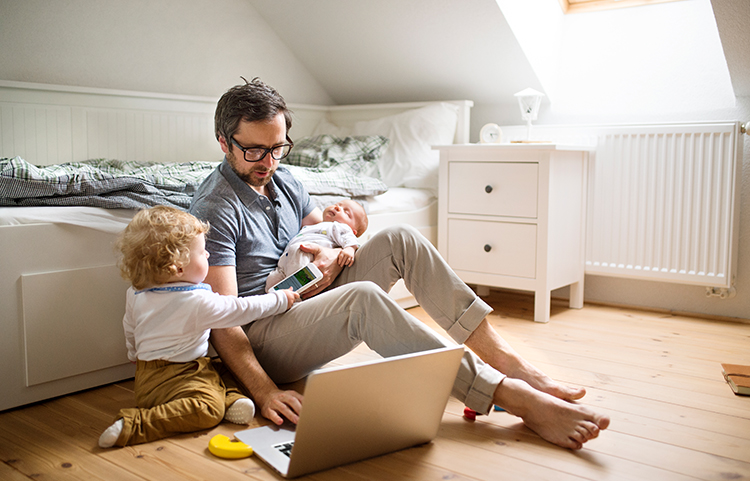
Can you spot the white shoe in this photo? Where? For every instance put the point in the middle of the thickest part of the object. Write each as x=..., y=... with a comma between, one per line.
x=241, y=411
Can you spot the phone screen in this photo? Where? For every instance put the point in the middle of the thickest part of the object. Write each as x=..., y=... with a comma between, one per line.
x=300, y=278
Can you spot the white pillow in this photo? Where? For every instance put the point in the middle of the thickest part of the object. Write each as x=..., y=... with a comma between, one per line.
x=409, y=160
x=325, y=127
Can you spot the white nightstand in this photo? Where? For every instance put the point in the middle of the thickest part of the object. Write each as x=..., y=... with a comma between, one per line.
x=513, y=216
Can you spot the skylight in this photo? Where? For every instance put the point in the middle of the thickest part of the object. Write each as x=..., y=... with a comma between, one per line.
x=659, y=60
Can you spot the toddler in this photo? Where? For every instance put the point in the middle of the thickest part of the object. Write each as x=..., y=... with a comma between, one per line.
x=342, y=223
x=168, y=317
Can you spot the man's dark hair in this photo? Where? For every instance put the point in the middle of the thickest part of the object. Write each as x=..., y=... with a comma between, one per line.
x=252, y=102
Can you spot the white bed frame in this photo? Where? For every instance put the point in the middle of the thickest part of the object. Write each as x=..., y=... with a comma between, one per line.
x=61, y=295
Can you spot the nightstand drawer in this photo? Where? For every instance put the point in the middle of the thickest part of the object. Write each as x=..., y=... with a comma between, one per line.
x=493, y=188
x=503, y=248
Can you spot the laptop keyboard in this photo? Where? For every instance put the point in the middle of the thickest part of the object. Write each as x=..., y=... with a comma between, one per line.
x=285, y=448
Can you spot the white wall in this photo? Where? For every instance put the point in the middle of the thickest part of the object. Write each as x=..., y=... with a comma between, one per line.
x=192, y=47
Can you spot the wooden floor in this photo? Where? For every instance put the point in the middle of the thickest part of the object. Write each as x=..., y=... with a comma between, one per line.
x=658, y=377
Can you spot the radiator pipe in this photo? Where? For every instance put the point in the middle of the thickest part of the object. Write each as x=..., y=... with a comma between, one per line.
x=721, y=292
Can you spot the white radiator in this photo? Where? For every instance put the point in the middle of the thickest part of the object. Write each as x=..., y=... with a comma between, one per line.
x=663, y=200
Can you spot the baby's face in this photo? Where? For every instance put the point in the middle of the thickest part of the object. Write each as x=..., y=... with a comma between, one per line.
x=346, y=212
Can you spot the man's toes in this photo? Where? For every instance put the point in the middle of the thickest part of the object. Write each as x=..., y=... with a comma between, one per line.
x=602, y=422
x=592, y=430
x=574, y=444
x=581, y=435
x=578, y=393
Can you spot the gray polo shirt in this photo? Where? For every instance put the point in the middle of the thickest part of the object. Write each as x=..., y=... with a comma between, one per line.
x=249, y=230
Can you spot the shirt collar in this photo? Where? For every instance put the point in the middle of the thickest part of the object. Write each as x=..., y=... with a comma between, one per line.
x=176, y=287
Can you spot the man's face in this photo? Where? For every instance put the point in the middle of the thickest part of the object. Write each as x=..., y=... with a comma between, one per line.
x=263, y=134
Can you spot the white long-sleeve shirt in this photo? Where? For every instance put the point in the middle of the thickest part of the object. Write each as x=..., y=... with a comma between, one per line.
x=173, y=322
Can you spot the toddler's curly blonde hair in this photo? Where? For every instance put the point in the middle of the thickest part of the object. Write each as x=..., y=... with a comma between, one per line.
x=156, y=244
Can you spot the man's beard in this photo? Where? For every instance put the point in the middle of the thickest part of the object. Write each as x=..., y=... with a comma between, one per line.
x=247, y=176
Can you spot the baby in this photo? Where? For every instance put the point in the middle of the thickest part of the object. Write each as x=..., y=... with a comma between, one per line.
x=342, y=223
x=168, y=317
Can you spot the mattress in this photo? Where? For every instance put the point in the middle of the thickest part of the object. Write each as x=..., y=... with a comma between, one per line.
x=415, y=207
x=97, y=218
x=399, y=199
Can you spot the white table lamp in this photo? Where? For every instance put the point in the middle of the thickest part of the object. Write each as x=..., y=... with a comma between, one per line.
x=529, y=101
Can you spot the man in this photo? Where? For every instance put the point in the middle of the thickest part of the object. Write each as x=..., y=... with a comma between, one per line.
x=255, y=207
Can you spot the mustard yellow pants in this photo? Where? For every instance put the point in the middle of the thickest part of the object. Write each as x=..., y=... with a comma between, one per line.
x=176, y=398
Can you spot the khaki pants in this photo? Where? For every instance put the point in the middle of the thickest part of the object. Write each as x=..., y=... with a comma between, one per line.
x=357, y=309
x=176, y=398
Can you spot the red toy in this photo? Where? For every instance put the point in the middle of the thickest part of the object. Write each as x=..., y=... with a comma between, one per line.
x=471, y=415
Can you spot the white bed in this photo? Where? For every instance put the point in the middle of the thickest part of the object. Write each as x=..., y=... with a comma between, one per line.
x=61, y=295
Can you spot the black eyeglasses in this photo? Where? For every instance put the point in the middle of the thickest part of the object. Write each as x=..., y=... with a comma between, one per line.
x=255, y=154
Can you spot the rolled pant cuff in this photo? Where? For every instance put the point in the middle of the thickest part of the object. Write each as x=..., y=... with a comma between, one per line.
x=127, y=429
x=481, y=394
x=469, y=320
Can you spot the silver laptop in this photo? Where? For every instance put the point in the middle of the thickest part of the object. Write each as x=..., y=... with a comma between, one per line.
x=362, y=410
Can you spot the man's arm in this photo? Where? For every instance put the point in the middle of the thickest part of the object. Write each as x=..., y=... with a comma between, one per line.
x=313, y=217
x=237, y=353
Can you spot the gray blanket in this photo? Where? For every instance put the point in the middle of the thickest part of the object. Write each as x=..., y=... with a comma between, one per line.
x=116, y=184
x=111, y=184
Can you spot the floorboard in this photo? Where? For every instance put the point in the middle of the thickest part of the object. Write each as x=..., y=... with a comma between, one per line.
x=657, y=375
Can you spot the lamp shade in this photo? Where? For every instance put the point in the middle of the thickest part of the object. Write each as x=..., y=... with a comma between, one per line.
x=529, y=101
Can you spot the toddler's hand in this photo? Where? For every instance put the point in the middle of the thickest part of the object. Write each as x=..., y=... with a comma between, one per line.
x=291, y=297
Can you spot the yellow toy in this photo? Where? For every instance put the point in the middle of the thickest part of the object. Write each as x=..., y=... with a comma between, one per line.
x=224, y=447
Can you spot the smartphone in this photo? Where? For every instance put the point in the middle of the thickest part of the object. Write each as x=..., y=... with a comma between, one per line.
x=301, y=280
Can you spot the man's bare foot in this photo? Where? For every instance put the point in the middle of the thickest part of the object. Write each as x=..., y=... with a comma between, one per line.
x=495, y=351
x=565, y=424
x=541, y=382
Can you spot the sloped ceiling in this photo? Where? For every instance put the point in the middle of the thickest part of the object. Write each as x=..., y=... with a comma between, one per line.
x=733, y=21
x=403, y=50
x=409, y=50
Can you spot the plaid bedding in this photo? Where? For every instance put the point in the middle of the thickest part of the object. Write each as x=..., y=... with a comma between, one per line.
x=357, y=155
x=115, y=184
x=336, y=182
x=111, y=184
x=330, y=165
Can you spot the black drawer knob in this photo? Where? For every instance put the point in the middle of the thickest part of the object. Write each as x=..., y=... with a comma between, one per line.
x=487, y=248
x=488, y=189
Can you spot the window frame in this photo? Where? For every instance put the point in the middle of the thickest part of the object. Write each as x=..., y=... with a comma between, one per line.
x=584, y=6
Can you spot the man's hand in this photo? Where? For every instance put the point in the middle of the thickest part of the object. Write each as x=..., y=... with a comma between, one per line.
x=238, y=356
x=326, y=260
x=277, y=405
